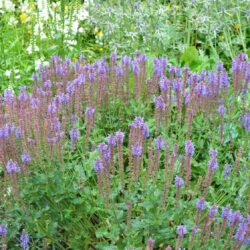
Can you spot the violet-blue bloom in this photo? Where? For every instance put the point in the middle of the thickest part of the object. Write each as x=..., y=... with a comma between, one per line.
x=137, y=150
x=3, y=230
x=195, y=230
x=213, y=164
x=189, y=148
x=12, y=167
x=9, y=95
x=164, y=83
x=222, y=110
x=159, y=103
x=233, y=218
x=24, y=240
x=213, y=210
x=126, y=61
x=159, y=142
x=112, y=140
x=246, y=121
x=119, y=71
x=201, y=204
x=25, y=158
x=119, y=136
x=89, y=112
x=98, y=165
x=179, y=182
x=177, y=85
x=241, y=231
x=47, y=84
x=181, y=230
x=34, y=102
x=135, y=68
x=74, y=135
x=52, y=108
x=18, y=133
x=227, y=170
x=104, y=150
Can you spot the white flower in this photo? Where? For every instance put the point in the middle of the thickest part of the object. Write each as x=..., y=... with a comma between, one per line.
x=7, y=5
x=81, y=30
x=38, y=28
x=12, y=20
x=74, y=26
x=9, y=190
x=43, y=36
x=46, y=63
x=42, y=4
x=29, y=49
x=38, y=62
x=36, y=48
x=24, y=6
x=41, y=61
x=82, y=14
x=8, y=73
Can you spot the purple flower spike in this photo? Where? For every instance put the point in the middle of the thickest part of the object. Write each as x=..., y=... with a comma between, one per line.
x=146, y=131
x=113, y=56
x=24, y=240
x=226, y=212
x=164, y=83
x=18, y=133
x=104, y=150
x=47, y=84
x=220, y=67
x=241, y=231
x=119, y=71
x=126, y=61
x=112, y=140
x=179, y=182
x=246, y=121
x=159, y=103
x=98, y=166
x=177, y=85
x=119, y=136
x=8, y=95
x=213, y=164
x=227, y=170
x=137, y=150
x=3, y=230
x=102, y=147
x=195, y=230
x=135, y=68
x=25, y=158
x=74, y=135
x=234, y=218
x=52, y=109
x=12, y=167
x=247, y=241
x=213, y=210
x=34, y=102
x=222, y=110
x=143, y=58
x=201, y=204
x=181, y=230
x=159, y=142
x=189, y=148
x=89, y=112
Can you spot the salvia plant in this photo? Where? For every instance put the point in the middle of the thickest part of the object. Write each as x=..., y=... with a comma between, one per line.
x=110, y=155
